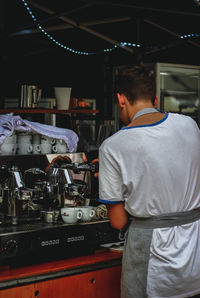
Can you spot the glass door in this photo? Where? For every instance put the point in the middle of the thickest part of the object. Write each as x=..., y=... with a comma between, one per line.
x=178, y=88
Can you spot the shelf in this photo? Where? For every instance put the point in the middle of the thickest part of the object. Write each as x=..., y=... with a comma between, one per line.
x=48, y=111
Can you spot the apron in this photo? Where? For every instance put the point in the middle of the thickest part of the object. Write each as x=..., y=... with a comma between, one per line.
x=138, y=236
x=137, y=249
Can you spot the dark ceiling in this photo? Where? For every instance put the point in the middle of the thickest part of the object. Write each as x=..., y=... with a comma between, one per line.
x=75, y=42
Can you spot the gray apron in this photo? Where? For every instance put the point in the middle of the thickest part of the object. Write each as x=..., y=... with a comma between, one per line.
x=138, y=236
x=137, y=249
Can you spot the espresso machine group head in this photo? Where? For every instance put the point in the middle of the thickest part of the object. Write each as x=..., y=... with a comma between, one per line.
x=73, y=191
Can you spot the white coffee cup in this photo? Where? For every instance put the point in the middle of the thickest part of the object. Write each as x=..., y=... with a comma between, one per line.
x=88, y=213
x=23, y=138
x=24, y=148
x=60, y=147
x=36, y=149
x=46, y=148
x=36, y=138
x=8, y=149
x=24, y=143
x=11, y=139
x=70, y=214
x=47, y=140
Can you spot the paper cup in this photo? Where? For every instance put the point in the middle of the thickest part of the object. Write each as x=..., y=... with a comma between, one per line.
x=62, y=95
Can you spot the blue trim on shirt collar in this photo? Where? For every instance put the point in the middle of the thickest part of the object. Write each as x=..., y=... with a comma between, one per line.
x=147, y=125
x=109, y=202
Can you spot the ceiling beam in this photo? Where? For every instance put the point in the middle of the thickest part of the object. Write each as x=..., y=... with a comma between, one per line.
x=66, y=12
x=65, y=26
x=54, y=15
x=159, y=10
x=163, y=47
x=170, y=32
x=83, y=27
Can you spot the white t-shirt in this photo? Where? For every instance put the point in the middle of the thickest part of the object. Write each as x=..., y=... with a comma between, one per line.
x=155, y=169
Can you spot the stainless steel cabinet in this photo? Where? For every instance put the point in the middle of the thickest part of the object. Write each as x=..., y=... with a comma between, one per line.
x=178, y=89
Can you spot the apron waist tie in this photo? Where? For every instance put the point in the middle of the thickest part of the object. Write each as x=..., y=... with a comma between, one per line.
x=166, y=220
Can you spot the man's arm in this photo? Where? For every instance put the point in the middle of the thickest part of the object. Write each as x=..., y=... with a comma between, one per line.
x=118, y=215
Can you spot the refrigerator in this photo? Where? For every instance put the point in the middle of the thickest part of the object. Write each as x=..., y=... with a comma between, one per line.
x=177, y=87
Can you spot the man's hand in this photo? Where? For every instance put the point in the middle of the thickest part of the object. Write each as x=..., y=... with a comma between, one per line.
x=96, y=160
x=118, y=215
x=58, y=159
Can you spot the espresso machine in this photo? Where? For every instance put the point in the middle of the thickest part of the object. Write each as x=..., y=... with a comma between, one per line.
x=25, y=194
x=30, y=194
x=16, y=198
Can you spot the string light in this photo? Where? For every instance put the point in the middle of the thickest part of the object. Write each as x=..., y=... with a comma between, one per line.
x=82, y=52
x=189, y=35
x=124, y=43
x=66, y=47
x=50, y=36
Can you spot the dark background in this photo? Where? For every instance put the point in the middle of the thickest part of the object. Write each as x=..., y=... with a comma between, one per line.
x=33, y=58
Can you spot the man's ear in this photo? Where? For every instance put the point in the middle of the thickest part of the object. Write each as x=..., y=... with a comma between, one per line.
x=156, y=101
x=121, y=100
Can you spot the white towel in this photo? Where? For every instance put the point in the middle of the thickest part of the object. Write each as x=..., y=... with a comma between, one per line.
x=10, y=123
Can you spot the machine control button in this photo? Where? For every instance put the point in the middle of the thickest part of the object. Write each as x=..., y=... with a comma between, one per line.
x=10, y=247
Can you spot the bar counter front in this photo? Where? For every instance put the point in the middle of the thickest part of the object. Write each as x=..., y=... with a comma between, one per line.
x=60, y=260
x=92, y=276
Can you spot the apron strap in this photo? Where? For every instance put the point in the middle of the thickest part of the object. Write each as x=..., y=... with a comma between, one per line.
x=144, y=111
x=166, y=220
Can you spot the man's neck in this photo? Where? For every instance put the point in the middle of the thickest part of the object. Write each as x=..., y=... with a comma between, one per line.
x=136, y=107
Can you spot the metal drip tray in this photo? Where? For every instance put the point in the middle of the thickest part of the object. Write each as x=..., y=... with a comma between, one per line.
x=40, y=226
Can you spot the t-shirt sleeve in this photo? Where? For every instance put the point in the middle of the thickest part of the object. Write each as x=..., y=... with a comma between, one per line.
x=110, y=179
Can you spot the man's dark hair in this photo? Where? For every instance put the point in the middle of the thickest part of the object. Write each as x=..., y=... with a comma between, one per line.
x=136, y=82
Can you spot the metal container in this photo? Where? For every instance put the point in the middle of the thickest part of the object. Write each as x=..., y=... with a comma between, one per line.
x=49, y=216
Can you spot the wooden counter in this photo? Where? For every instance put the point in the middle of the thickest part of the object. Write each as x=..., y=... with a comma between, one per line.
x=93, y=276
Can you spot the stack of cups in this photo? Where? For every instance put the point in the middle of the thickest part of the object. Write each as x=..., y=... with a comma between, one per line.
x=24, y=143
x=36, y=143
x=60, y=147
x=27, y=143
x=9, y=145
x=46, y=144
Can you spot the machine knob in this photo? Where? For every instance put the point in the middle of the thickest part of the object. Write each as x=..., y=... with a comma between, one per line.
x=10, y=246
